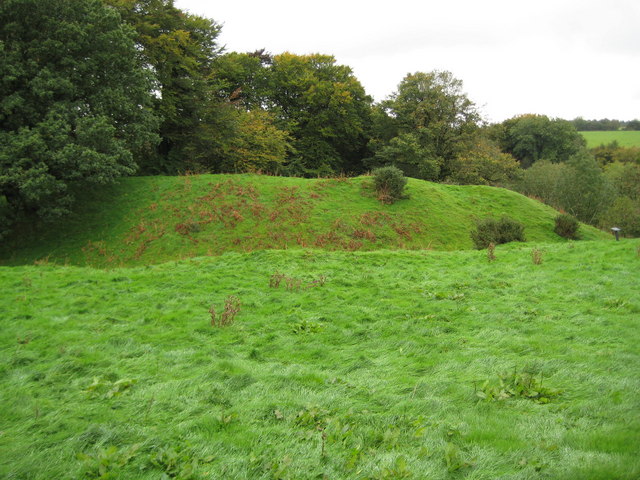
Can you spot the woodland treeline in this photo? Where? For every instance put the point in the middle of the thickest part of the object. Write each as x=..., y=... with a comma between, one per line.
x=93, y=90
x=605, y=125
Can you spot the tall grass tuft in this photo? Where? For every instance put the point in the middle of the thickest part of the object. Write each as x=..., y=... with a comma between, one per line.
x=231, y=308
x=491, y=252
x=536, y=256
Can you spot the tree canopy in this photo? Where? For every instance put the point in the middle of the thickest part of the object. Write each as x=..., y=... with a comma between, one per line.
x=320, y=104
x=530, y=138
x=179, y=49
x=74, y=102
x=91, y=90
x=605, y=124
x=577, y=186
x=438, y=117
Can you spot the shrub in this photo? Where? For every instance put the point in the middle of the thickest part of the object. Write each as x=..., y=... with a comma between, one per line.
x=490, y=230
x=567, y=226
x=389, y=183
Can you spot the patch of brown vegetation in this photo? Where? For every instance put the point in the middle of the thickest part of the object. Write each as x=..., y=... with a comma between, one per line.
x=374, y=219
x=364, y=235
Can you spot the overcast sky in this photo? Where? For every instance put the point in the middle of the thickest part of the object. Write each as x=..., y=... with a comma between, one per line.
x=561, y=58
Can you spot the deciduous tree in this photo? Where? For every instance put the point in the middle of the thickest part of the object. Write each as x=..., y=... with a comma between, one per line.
x=585, y=193
x=231, y=139
x=73, y=102
x=577, y=186
x=406, y=153
x=484, y=164
x=623, y=213
x=530, y=138
x=625, y=178
x=433, y=108
x=320, y=104
x=179, y=49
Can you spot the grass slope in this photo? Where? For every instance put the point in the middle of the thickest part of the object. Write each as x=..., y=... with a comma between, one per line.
x=624, y=138
x=148, y=220
x=370, y=365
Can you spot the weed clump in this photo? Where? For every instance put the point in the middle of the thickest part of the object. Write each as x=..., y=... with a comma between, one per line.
x=276, y=279
x=231, y=308
x=536, y=256
x=293, y=283
x=107, y=389
x=491, y=252
x=566, y=226
x=187, y=228
x=453, y=458
x=490, y=230
x=516, y=385
x=107, y=462
x=305, y=326
x=389, y=183
x=176, y=462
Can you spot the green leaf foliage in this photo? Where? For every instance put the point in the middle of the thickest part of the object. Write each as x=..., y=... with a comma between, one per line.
x=585, y=192
x=324, y=108
x=613, y=152
x=517, y=385
x=318, y=103
x=73, y=102
x=484, y=164
x=179, y=48
x=497, y=231
x=389, y=183
x=406, y=152
x=433, y=109
x=530, y=138
x=233, y=140
x=625, y=178
x=577, y=186
x=566, y=226
x=623, y=213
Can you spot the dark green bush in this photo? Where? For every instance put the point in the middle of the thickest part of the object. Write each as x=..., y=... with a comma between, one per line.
x=389, y=183
x=490, y=230
x=567, y=226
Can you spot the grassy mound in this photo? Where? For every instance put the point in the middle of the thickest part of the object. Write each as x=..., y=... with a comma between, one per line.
x=338, y=365
x=147, y=220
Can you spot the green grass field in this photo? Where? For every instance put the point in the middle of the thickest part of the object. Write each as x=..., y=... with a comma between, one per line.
x=147, y=220
x=624, y=138
x=363, y=365
x=371, y=341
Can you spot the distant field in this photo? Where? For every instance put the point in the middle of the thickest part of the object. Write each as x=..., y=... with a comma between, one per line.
x=624, y=139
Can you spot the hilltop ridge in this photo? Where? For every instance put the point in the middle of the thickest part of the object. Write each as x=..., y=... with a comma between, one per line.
x=143, y=220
